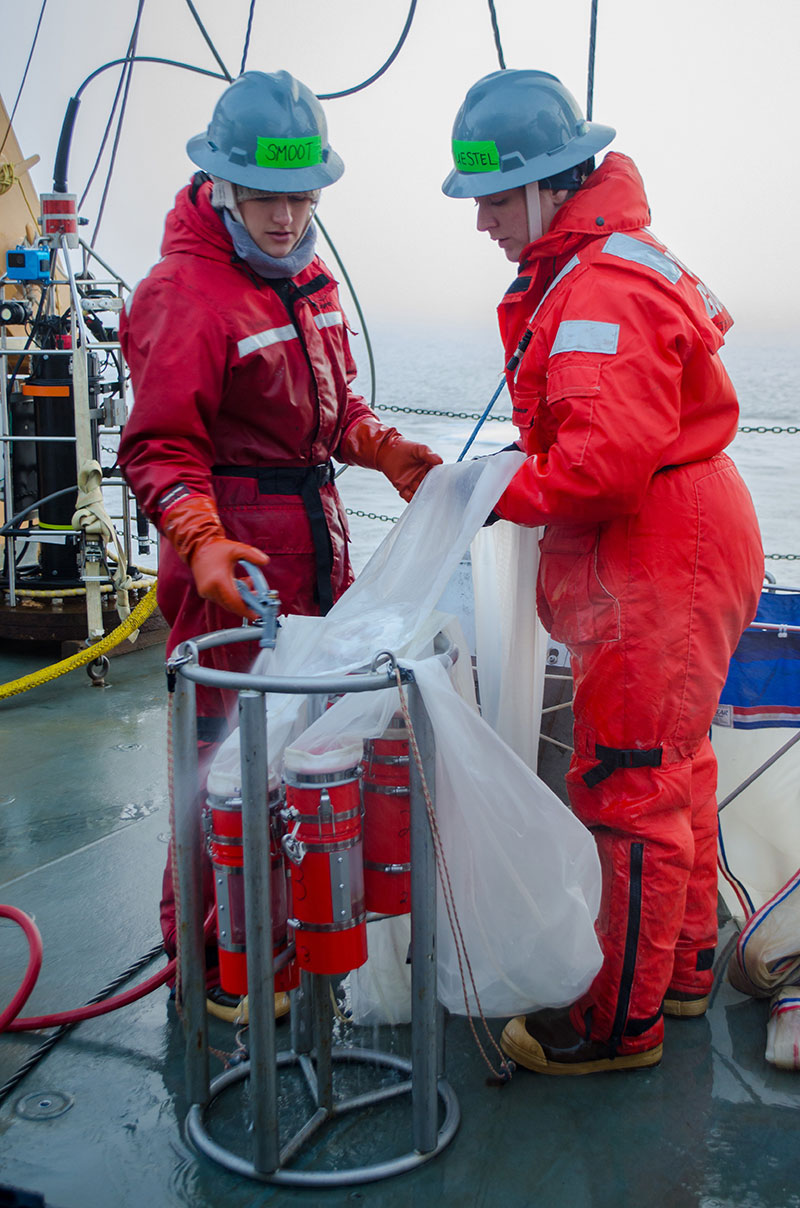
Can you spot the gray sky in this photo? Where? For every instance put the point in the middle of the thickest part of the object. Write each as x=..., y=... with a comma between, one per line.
x=702, y=93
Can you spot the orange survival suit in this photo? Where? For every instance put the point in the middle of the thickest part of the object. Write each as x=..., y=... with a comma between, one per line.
x=651, y=567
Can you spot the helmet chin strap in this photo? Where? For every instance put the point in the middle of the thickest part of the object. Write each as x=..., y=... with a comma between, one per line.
x=534, y=209
x=310, y=220
x=223, y=196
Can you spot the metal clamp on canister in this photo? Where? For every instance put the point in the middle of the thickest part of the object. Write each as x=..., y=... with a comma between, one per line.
x=293, y=848
x=263, y=601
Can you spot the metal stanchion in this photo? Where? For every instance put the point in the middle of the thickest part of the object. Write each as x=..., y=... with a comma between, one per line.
x=258, y=924
x=423, y=936
x=188, y=840
x=322, y=1040
x=301, y=1019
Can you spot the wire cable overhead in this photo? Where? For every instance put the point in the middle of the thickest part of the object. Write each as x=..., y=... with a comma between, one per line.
x=496, y=32
x=209, y=42
x=24, y=76
x=590, y=74
x=332, y=96
x=247, y=36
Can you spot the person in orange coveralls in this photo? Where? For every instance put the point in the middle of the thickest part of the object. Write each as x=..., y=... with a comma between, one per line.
x=651, y=561
x=241, y=369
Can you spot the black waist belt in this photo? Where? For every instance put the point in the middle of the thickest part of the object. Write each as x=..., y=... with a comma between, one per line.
x=305, y=482
x=612, y=758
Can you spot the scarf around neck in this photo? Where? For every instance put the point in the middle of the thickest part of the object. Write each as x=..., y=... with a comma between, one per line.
x=273, y=267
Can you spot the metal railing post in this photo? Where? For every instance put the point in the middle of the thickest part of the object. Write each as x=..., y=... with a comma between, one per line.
x=8, y=478
x=301, y=1019
x=424, y=1012
x=258, y=925
x=321, y=1007
x=188, y=840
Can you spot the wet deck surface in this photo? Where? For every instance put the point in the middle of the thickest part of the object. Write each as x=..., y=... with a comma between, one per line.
x=83, y=825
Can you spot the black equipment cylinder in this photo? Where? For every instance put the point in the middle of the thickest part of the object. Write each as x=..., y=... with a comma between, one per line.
x=50, y=388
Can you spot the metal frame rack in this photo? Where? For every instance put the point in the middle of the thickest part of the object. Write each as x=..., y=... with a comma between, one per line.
x=312, y=1049
x=92, y=420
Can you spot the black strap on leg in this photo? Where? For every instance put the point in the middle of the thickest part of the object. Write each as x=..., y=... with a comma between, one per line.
x=304, y=481
x=612, y=758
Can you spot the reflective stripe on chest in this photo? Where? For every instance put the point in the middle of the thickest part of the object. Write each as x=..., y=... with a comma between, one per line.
x=282, y=335
x=331, y=318
x=263, y=339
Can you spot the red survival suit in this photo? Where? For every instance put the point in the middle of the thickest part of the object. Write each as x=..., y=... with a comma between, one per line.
x=241, y=394
x=651, y=567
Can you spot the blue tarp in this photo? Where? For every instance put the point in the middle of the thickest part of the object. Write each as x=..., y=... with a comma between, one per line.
x=763, y=685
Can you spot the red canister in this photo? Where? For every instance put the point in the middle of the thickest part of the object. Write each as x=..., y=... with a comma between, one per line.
x=227, y=858
x=387, y=821
x=323, y=843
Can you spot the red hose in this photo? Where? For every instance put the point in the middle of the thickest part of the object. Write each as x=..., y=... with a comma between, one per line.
x=8, y=1020
x=34, y=963
x=33, y=1022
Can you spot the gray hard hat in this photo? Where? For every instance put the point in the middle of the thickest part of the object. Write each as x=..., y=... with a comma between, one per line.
x=517, y=127
x=269, y=132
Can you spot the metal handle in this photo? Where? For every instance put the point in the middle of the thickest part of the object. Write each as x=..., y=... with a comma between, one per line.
x=262, y=600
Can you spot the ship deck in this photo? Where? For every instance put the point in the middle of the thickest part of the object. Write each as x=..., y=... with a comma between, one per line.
x=100, y=1120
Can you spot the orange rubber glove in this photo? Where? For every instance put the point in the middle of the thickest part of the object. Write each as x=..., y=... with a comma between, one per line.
x=405, y=464
x=194, y=529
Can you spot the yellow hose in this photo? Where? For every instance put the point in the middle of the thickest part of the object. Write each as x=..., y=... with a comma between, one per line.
x=139, y=614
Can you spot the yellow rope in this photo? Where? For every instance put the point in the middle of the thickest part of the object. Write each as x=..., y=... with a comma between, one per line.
x=61, y=593
x=139, y=614
x=8, y=178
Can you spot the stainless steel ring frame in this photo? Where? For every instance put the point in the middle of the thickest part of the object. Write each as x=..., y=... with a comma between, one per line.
x=311, y=1019
x=196, y=1130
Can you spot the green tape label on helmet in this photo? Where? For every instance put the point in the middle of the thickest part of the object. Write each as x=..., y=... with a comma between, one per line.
x=289, y=152
x=476, y=156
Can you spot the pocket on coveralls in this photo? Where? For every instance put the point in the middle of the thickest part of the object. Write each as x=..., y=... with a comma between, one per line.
x=574, y=604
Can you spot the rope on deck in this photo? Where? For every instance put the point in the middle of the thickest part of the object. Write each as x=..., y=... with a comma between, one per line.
x=90, y=655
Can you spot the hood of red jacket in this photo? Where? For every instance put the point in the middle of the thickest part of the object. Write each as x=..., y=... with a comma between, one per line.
x=194, y=226
x=611, y=199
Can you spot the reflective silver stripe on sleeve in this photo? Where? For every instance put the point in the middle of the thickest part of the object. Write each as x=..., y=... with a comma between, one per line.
x=333, y=318
x=582, y=335
x=263, y=339
x=627, y=248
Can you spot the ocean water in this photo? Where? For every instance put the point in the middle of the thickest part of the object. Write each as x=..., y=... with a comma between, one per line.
x=457, y=370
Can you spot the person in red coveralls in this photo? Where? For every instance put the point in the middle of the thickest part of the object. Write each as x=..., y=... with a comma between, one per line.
x=651, y=561
x=241, y=370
